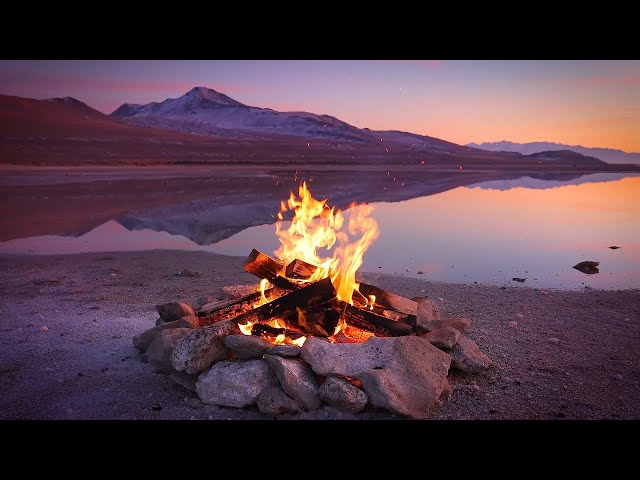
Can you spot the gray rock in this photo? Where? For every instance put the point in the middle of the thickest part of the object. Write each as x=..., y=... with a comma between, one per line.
x=297, y=380
x=341, y=394
x=273, y=401
x=202, y=347
x=284, y=350
x=443, y=337
x=185, y=380
x=467, y=357
x=160, y=350
x=175, y=310
x=246, y=347
x=406, y=375
x=345, y=359
x=235, y=384
x=427, y=311
x=141, y=342
x=460, y=324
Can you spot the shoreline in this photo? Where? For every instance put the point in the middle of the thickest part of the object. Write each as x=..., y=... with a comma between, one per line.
x=83, y=365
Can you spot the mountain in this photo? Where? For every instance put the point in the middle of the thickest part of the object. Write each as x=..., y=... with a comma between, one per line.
x=207, y=111
x=608, y=155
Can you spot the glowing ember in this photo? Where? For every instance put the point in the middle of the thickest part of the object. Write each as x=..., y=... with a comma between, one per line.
x=280, y=339
x=372, y=301
x=316, y=226
x=299, y=341
x=246, y=328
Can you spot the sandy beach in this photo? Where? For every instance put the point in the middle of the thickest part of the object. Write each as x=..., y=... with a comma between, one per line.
x=67, y=323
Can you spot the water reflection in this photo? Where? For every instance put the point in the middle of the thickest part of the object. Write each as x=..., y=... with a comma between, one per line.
x=486, y=233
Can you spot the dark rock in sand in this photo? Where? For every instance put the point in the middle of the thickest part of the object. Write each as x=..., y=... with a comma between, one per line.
x=297, y=380
x=235, y=384
x=273, y=401
x=185, y=380
x=246, y=347
x=342, y=395
x=614, y=247
x=141, y=342
x=521, y=280
x=202, y=347
x=443, y=337
x=175, y=310
x=160, y=350
x=406, y=375
x=467, y=357
x=284, y=350
x=589, y=267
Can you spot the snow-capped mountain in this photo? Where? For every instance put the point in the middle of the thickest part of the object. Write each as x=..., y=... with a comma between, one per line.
x=608, y=155
x=209, y=111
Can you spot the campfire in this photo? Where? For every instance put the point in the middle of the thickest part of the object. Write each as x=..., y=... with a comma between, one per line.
x=310, y=332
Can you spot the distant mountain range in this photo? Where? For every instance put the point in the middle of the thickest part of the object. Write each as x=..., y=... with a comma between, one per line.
x=608, y=155
x=207, y=127
x=205, y=111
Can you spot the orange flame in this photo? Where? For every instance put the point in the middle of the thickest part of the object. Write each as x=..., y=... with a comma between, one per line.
x=316, y=226
x=263, y=299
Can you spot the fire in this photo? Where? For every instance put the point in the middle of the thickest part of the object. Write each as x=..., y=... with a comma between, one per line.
x=299, y=341
x=263, y=299
x=317, y=226
x=246, y=328
x=280, y=339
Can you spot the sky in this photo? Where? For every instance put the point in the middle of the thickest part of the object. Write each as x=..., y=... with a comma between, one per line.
x=594, y=103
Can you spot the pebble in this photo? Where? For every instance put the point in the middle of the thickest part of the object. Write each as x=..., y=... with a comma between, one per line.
x=553, y=340
x=44, y=328
x=617, y=376
x=519, y=315
x=513, y=324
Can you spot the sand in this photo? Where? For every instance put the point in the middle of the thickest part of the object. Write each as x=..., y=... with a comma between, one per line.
x=66, y=325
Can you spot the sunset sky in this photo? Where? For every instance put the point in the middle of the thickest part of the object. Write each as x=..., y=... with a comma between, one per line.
x=588, y=102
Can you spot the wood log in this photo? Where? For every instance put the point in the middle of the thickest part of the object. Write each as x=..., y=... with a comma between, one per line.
x=220, y=304
x=300, y=269
x=320, y=321
x=264, y=330
x=368, y=320
x=390, y=301
x=263, y=266
x=285, y=307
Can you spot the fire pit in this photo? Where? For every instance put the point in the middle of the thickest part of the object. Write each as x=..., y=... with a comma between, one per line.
x=310, y=333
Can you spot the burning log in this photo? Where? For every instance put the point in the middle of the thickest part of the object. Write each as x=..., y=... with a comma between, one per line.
x=264, y=330
x=286, y=306
x=300, y=269
x=263, y=266
x=221, y=304
x=369, y=320
x=389, y=300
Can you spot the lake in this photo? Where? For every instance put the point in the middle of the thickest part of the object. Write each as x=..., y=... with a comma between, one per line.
x=488, y=232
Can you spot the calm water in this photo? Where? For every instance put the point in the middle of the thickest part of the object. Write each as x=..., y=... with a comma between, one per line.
x=487, y=233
